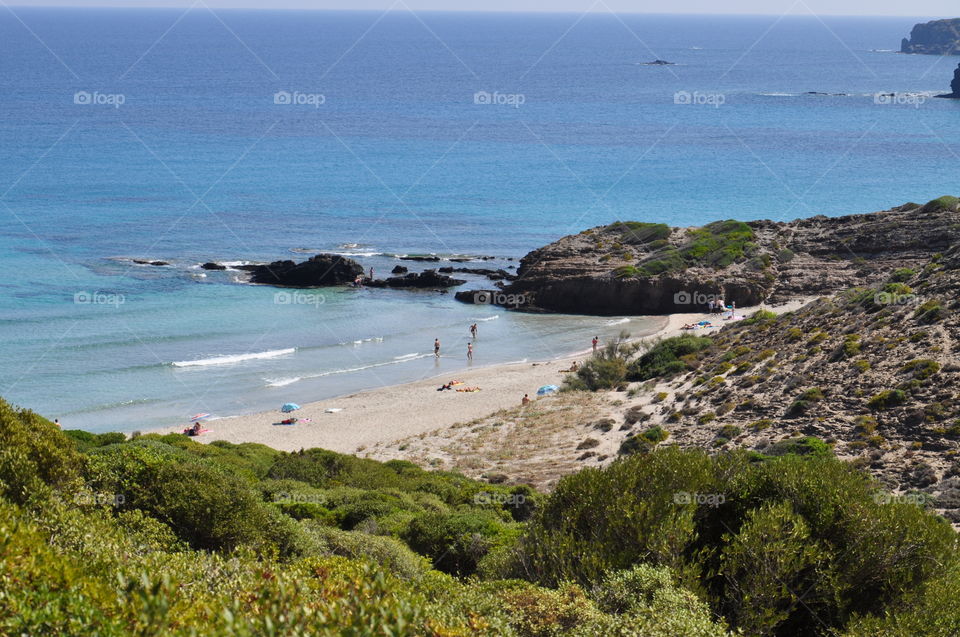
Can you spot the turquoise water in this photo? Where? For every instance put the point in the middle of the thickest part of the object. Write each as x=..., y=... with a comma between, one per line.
x=200, y=163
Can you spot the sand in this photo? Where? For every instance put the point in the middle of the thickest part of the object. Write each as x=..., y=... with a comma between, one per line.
x=390, y=413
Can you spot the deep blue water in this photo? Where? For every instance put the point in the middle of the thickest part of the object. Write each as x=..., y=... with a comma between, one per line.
x=199, y=163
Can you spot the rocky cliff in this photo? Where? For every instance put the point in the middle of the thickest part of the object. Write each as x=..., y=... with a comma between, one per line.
x=939, y=37
x=645, y=268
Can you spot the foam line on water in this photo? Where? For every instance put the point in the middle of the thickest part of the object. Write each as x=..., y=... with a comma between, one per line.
x=235, y=358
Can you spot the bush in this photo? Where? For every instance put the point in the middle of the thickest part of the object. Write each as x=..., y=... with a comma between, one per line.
x=663, y=359
x=456, y=542
x=606, y=369
x=790, y=526
x=35, y=457
x=887, y=399
x=942, y=204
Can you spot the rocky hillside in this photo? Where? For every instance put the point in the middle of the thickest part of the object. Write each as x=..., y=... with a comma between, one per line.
x=939, y=37
x=870, y=374
x=651, y=268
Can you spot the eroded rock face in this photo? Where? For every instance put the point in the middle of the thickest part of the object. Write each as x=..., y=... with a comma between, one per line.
x=939, y=37
x=607, y=270
x=318, y=271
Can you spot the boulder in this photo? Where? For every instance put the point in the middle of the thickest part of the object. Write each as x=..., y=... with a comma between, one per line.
x=398, y=269
x=213, y=266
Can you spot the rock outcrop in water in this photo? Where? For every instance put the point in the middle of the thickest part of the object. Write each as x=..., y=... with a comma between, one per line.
x=318, y=271
x=428, y=279
x=954, y=86
x=646, y=268
x=939, y=37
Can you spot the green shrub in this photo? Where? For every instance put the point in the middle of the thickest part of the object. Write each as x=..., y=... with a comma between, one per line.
x=941, y=204
x=663, y=358
x=887, y=399
x=922, y=368
x=760, y=316
x=902, y=275
x=798, y=546
x=456, y=542
x=35, y=457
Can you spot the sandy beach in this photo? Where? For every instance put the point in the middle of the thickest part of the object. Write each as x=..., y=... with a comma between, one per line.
x=390, y=413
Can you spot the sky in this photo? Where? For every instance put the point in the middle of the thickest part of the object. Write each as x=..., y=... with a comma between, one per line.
x=932, y=8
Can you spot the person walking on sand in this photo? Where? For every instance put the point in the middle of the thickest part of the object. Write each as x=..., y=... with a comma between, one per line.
x=526, y=400
x=473, y=330
x=436, y=347
x=596, y=341
x=469, y=351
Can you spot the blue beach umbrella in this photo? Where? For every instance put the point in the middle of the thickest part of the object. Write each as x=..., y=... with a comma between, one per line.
x=288, y=407
x=547, y=389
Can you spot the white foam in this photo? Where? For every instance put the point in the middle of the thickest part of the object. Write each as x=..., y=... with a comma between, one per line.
x=282, y=382
x=489, y=318
x=235, y=358
x=406, y=356
x=618, y=321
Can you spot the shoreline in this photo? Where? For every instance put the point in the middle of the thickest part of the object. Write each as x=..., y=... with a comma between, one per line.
x=393, y=412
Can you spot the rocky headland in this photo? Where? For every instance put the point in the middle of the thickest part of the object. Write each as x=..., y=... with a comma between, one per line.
x=954, y=86
x=630, y=268
x=939, y=37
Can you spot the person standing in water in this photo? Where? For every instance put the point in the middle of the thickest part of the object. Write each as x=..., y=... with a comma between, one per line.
x=469, y=351
x=436, y=347
x=473, y=330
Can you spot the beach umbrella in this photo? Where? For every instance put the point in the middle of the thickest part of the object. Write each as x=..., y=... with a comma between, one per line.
x=197, y=417
x=547, y=389
x=288, y=407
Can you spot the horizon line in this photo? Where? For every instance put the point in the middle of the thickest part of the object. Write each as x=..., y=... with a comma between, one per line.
x=192, y=6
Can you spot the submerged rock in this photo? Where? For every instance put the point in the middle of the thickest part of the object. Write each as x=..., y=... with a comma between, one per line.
x=213, y=266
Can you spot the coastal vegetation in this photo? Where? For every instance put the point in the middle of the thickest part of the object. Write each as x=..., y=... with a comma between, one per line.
x=160, y=534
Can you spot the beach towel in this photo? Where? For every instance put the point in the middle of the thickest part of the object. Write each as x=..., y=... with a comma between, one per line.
x=189, y=431
x=332, y=410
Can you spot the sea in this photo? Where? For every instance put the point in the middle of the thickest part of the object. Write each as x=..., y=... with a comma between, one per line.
x=251, y=136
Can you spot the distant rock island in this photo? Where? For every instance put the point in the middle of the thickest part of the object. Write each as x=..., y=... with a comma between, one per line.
x=939, y=37
x=660, y=63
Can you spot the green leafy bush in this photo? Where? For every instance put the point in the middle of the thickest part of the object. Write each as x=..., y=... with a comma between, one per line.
x=663, y=359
